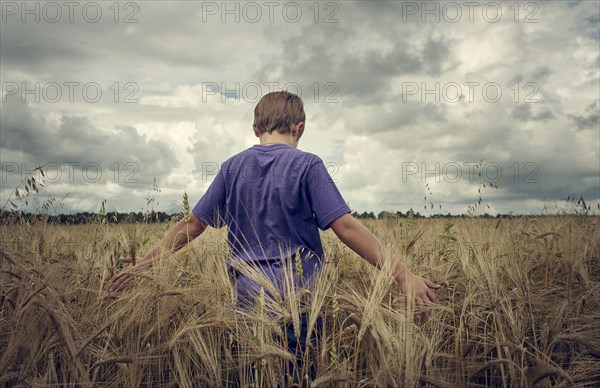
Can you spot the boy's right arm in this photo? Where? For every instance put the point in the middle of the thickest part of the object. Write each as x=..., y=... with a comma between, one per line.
x=179, y=236
x=360, y=240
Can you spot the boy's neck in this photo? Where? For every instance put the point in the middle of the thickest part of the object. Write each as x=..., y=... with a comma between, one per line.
x=267, y=139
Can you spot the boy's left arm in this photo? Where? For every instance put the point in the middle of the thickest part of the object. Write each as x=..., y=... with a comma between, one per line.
x=360, y=240
x=174, y=240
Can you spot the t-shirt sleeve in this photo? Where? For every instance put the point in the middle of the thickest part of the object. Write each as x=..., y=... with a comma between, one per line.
x=211, y=207
x=325, y=199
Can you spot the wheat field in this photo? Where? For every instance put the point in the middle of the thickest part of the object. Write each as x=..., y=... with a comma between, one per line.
x=520, y=307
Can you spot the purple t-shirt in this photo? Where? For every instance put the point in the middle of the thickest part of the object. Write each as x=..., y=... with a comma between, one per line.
x=273, y=199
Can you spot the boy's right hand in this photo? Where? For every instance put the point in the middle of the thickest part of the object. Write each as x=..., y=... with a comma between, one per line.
x=123, y=280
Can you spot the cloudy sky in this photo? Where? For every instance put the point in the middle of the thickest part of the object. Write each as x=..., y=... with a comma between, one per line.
x=407, y=102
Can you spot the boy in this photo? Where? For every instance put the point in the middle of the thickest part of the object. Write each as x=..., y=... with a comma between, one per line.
x=273, y=197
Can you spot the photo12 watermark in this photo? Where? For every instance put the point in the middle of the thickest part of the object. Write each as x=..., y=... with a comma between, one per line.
x=470, y=11
x=252, y=92
x=70, y=91
x=471, y=92
x=269, y=11
x=252, y=173
x=71, y=172
x=453, y=172
x=69, y=11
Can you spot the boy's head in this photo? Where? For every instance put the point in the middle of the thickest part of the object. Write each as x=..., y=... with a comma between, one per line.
x=279, y=111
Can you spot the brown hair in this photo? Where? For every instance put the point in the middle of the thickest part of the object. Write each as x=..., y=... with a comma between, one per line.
x=279, y=111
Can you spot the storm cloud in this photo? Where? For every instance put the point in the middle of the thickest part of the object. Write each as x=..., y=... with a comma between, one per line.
x=404, y=100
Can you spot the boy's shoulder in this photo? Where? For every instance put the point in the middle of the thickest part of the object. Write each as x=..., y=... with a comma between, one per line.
x=283, y=152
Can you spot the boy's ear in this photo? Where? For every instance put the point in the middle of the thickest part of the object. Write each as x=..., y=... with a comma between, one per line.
x=255, y=129
x=297, y=129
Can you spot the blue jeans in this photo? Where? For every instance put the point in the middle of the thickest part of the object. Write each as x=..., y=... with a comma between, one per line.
x=297, y=345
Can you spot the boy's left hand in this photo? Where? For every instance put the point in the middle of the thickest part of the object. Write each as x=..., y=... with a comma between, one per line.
x=422, y=289
x=424, y=294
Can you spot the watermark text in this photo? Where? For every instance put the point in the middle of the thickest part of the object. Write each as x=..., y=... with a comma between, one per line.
x=71, y=172
x=70, y=91
x=253, y=91
x=469, y=11
x=269, y=11
x=453, y=92
x=453, y=172
x=69, y=11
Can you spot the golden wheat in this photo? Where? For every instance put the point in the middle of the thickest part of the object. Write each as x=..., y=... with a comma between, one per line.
x=520, y=307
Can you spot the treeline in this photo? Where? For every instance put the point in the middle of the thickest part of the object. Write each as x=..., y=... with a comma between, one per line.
x=11, y=217
x=87, y=217
x=387, y=214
